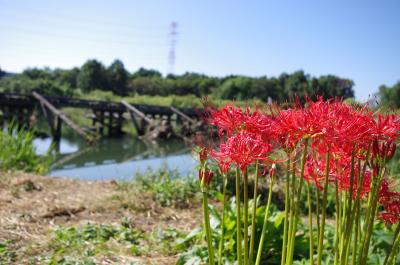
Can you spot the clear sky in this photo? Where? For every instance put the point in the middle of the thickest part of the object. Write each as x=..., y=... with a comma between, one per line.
x=353, y=39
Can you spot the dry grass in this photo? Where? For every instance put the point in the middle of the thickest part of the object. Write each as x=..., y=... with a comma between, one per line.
x=32, y=206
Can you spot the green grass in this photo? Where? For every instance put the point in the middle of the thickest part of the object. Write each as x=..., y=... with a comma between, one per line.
x=187, y=101
x=17, y=152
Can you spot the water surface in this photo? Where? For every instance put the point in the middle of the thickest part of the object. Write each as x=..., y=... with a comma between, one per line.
x=119, y=158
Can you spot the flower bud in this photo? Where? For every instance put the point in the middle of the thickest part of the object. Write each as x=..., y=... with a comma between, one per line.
x=207, y=175
x=203, y=155
x=272, y=171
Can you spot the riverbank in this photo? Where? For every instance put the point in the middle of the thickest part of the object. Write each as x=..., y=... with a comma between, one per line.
x=45, y=219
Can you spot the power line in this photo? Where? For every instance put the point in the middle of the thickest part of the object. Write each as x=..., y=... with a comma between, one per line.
x=77, y=25
x=72, y=17
x=37, y=32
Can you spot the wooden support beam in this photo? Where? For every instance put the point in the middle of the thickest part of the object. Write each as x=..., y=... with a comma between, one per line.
x=47, y=105
x=137, y=112
x=181, y=114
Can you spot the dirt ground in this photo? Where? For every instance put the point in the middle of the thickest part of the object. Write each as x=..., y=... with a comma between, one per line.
x=32, y=206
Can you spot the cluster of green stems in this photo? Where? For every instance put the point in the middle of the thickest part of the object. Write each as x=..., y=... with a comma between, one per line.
x=354, y=217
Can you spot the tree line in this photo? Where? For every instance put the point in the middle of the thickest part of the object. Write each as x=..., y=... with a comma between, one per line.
x=390, y=95
x=93, y=75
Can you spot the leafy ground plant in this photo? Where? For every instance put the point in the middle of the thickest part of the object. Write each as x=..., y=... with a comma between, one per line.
x=169, y=188
x=195, y=249
x=80, y=245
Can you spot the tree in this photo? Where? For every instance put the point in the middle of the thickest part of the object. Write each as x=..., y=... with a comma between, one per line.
x=142, y=72
x=332, y=86
x=297, y=84
x=68, y=77
x=36, y=73
x=2, y=73
x=92, y=76
x=117, y=77
x=390, y=96
x=235, y=88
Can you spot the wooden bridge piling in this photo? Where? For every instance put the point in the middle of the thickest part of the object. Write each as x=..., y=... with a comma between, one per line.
x=107, y=117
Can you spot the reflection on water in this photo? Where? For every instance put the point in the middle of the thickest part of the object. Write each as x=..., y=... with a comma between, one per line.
x=117, y=158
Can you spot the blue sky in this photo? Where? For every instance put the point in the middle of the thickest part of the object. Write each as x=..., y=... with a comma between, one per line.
x=353, y=39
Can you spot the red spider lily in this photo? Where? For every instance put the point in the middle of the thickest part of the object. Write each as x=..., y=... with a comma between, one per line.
x=207, y=175
x=382, y=151
x=344, y=182
x=312, y=122
x=391, y=204
x=386, y=128
x=342, y=127
x=229, y=119
x=314, y=171
x=245, y=148
x=258, y=123
x=222, y=160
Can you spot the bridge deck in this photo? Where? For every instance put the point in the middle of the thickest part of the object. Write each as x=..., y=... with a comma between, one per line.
x=28, y=101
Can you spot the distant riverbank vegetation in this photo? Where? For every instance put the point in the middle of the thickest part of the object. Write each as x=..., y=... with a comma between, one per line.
x=151, y=87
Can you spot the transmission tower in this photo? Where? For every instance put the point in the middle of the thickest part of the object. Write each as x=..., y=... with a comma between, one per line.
x=172, y=43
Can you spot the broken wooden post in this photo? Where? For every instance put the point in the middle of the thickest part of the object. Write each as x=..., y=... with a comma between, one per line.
x=46, y=105
x=136, y=111
x=181, y=114
x=140, y=126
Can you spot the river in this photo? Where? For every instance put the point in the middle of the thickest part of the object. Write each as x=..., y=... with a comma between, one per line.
x=116, y=158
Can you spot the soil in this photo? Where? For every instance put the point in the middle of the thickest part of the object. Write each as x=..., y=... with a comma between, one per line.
x=31, y=206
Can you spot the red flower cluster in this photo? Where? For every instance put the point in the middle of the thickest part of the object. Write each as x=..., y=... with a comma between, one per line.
x=358, y=141
x=391, y=204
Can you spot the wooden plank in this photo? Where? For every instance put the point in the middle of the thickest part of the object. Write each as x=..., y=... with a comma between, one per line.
x=180, y=113
x=137, y=112
x=61, y=115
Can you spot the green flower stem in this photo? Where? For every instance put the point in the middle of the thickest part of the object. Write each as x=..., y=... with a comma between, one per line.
x=253, y=216
x=357, y=206
x=324, y=201
x=356, y=233
x=286, y=224
x=318, y=210
x=346, y=236
x=291, y=208
x=246, y=216
x=238, y=220
x=221, y=241
x=371, y=218
x=389, y=260
x=207, y=228
x=292, y=236
x=337, y=219
x=310, y=221
x=264, y=228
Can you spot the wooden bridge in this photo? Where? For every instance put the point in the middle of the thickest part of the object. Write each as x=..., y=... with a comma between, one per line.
x=107, y=117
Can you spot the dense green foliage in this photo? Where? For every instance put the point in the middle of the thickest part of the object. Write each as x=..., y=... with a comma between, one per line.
x=390, y=96
x=196, y=249
x=17, y=152
x=93, y=75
